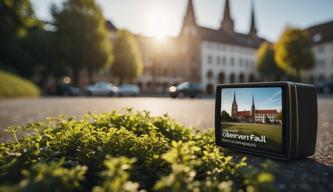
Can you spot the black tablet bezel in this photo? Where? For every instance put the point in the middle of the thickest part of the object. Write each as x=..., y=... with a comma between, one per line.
x=284, y=154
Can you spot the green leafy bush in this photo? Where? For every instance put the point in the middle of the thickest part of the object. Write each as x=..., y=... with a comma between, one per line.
x=121, y=151
x=14, y=86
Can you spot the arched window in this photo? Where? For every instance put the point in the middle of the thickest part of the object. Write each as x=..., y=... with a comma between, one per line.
x=209, y=74
x=251, y=78
x=209, y=89
x=221, y=78
x=241, y=78
x=232, y=78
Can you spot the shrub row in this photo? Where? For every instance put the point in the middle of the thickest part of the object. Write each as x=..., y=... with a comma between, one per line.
x=14, y=86
x=121, y=151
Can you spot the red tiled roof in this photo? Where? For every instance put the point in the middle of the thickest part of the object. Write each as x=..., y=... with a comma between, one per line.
x=267, y=111
x=321, y=33
x=230, y=38
x=244, y=113
x=109, y=25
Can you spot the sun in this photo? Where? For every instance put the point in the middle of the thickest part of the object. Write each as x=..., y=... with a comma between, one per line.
x=158, y=26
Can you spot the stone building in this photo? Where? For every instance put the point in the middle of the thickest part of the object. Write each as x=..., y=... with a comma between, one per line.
x=321, y=37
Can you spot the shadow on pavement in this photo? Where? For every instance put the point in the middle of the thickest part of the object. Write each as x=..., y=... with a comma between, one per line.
x=299, y=175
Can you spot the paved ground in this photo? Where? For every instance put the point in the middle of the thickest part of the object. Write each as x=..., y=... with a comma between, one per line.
x=313, y=173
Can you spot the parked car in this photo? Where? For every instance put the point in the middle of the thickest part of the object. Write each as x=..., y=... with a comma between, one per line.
x=186, y=89
x=64, y=90
x=101, y=88
x=128, y=90
x=325, y=87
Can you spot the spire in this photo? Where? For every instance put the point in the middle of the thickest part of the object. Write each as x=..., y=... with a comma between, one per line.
x=253, y=101
x=227, y=23
x=189, y=19
x=190, y=16
x=253, y=28
x=234, y=101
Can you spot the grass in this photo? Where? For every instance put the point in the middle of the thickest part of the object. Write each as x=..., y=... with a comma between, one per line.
x=273, y=133
x=15, y=86
x=122, y=151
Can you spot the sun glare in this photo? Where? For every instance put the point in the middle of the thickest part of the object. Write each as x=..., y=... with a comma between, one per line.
x=158, y=26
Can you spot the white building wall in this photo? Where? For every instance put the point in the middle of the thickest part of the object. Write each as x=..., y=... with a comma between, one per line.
x=217, y=57
x=323, y=66
x=323, y=61
x=261, y=117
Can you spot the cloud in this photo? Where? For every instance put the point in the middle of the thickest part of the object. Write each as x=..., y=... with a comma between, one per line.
x=276, y=97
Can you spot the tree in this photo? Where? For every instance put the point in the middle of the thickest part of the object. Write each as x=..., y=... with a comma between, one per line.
x=17, y=19
x=225, y=116
x=266, y=64
x=127, y=58
x=267, y=121
x=83, y=39
x=43, y=50
x=293, y=52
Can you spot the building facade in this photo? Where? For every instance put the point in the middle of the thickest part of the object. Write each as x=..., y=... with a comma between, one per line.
x=321, y=37
x=214, y=56
x=254, y=115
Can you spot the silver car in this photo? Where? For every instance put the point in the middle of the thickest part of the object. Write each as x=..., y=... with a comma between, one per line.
x=102, y=89
x=129, y=90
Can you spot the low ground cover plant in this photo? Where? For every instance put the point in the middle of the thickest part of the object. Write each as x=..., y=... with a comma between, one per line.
x=15, y=86
x=121, y=151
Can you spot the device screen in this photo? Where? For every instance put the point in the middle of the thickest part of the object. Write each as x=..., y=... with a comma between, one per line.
x=252, y=117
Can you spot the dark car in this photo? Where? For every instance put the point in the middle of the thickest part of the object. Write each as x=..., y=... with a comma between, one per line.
x=67, y=90
x=325, y=87
x=186, y=89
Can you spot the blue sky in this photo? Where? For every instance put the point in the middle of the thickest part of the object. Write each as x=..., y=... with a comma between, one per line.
x=264, y=98
x=152, y=17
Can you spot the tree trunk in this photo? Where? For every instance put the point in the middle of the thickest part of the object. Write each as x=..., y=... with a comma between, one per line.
x=121, y=80
x=298, y=75
x=76, y=76
x=90, y=76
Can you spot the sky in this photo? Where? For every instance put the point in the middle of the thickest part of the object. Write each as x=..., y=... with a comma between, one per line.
x=264, y=98
x=164, y=17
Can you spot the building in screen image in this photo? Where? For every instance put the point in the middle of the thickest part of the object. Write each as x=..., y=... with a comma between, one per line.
x=245, y=109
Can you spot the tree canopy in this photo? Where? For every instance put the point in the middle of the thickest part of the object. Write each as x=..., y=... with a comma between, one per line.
x=293, y=52
x=266, y=64
x=17, y=19
x=127, y=58
x=82, y=36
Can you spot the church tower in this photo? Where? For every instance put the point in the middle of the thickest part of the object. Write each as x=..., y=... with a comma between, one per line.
x=253, y=109
x=227, y=23
x=234, y=108
x=253, y=28
x=189, y=23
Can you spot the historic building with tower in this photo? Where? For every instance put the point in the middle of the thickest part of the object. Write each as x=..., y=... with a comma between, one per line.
x=201, y=54
x=214, y=56
x=253, y=115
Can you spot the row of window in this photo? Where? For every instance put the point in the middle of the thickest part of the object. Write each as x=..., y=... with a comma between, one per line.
x=224, y=47
x=223, y=60
x=322, y=62
x=263, y=115
x=232, y=77
x=321, y=49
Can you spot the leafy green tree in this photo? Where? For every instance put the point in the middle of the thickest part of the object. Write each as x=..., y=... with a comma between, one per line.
x=82, y=37
x=17, y=19
x=266, y=64
x=293, y=52
x=127, y=58
x=225, y=116
x=267, y=119
x=43, y=51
